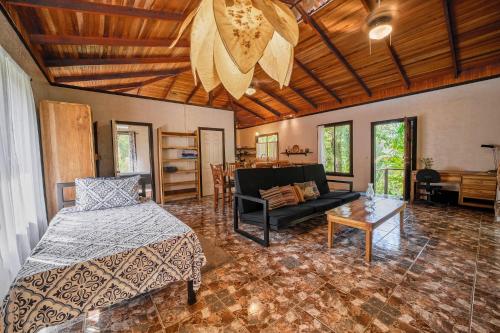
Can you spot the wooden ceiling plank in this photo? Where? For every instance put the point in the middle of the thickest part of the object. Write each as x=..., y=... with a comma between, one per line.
x=390, y=50
x=247, y=109
x=120, y=86
x=317, y=80
x=105, y=41
x=450, y=27
x=68, y=62
x=210, y=98
x=99, y=8
x=333, y=48
x=264, y=105
x=119, y=75
x=302, y=95
x=193, y=92
x=169, y=87
x=279, y=99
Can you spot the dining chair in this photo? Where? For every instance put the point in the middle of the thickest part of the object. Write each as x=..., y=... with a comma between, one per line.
x=221, y=185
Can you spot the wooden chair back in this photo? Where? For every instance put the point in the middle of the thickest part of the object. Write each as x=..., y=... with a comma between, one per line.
x=217, y=174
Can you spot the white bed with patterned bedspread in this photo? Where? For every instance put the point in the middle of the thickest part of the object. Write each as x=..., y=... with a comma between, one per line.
x=92, y=259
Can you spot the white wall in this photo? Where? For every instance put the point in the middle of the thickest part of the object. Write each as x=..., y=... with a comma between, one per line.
x=452, y=125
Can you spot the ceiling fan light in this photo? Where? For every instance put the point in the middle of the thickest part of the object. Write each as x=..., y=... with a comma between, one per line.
x=380, y=31
x=250, y=91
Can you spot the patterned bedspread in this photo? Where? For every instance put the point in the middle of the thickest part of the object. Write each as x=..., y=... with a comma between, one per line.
x=89, y=260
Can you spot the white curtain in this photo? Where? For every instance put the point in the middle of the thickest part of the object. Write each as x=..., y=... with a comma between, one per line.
x=22, y=208
x=321, y=146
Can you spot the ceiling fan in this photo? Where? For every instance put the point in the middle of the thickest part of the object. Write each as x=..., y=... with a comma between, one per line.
x=379, y=23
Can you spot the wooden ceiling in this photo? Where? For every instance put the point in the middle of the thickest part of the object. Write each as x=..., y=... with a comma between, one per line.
x=120, y=46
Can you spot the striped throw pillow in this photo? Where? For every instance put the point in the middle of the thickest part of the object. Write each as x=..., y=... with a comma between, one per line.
x=309, y=190
x=290, y=195
x=299, y=194
x=274, y=197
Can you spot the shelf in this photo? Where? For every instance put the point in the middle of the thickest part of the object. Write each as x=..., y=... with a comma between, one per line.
x=182, y=171
x=179, y=159
x=179, y=134
x=290, y=153
x=181, y=147
x=185, y=182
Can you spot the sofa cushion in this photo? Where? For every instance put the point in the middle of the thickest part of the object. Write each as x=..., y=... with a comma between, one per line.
x=322, y=205
x=280, y=217
x=316, y=172
x=288, y=175
x=345, y=196
x=249, y=182
x=309, y=190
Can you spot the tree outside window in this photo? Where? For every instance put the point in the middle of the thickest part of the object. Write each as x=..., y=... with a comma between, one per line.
x=337, y=148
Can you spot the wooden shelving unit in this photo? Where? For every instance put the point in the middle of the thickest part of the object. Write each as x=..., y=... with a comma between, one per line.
x=185, y=182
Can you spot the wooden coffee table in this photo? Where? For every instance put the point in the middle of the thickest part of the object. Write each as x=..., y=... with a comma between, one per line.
x=355, y=214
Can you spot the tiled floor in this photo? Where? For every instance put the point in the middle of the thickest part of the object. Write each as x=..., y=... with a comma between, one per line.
x=442, y=274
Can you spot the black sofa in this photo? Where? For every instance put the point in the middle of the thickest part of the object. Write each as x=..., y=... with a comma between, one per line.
x=249, y=207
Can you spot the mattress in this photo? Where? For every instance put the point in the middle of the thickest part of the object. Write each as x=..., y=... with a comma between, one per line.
x=93, y=259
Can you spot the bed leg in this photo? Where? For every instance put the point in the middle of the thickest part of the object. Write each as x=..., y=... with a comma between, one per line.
x=191, y=293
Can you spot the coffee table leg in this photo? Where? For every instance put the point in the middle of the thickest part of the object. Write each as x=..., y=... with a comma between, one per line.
x=331, y=231
x=368, y=245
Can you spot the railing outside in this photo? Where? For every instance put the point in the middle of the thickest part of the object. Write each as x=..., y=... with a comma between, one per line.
x=386, y=179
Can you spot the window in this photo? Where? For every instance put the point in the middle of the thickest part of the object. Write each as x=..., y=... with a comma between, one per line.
x=335, y=146
x=127, y=157
x=267, y=147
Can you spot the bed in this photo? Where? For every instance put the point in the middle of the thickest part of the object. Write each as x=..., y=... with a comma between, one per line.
x=92, y=259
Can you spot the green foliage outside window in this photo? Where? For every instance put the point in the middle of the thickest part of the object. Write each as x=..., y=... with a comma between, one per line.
x=337, y=148
x=389, y=154
x=125, y=152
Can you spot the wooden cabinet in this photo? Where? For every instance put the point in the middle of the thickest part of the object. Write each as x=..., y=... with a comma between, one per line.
x=67, y=147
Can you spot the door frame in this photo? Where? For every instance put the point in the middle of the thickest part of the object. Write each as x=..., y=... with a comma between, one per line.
x=151, y=152
x=413, y=155
x=201, y=157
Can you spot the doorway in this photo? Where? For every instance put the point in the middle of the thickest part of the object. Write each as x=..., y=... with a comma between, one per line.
x=393, y=156
x=212, y=151
x=133, y=152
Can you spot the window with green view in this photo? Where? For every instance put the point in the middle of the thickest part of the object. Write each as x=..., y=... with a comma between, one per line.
x=267, y=147
x=337, y=148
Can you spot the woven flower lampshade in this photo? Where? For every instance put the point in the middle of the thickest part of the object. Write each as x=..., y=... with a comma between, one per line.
x=229, y=37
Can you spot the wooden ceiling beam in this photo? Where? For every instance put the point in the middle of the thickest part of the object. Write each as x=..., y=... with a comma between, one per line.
x=217, y=92
x=115, y=61
x=450, y=27
x=301, y=94
x=131, y=85
x=264, y=105
x=279, y=99
x=120, y=75
x=247, y=110
x=193, y=92
x=390, y=50
x=105, y=41
x=99, y=8
x=317, y=80
x=169, y=87
x=333, y=48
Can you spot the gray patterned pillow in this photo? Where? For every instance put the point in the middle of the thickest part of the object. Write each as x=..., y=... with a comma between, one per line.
x=103, y=193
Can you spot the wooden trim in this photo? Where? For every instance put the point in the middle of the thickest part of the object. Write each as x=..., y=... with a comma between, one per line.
x=351, y=148
x=333, y=48
x=99, y=8
x=279, y=99
x=264, y=105
x=450, y=27
x=68, y=62
x=106, y=41
x=199, y=147
x=303, y=96
x=119, y=75
x=317, y=80
x=151, y=151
